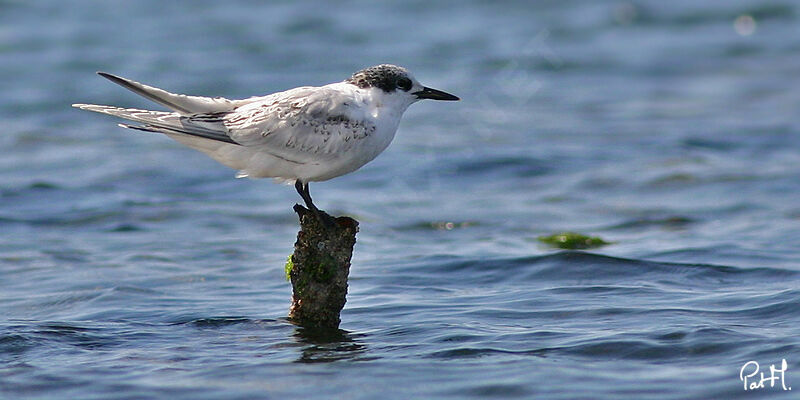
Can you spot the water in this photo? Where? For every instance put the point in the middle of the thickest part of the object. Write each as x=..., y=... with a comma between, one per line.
x=131, y=267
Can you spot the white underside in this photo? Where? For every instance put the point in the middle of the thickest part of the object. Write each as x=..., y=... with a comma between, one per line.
x=253, y=162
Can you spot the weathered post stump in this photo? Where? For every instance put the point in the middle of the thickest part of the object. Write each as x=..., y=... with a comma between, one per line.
x=319, y=267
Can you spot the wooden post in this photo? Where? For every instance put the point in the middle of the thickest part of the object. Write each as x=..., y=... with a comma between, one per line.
x=319, y=267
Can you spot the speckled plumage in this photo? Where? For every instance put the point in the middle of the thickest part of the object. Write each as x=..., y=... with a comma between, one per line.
x=303, y=134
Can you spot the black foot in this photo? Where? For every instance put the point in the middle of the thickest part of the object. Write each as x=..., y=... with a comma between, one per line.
x=322, y=217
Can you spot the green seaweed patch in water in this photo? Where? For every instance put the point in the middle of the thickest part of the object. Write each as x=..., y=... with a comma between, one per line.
x=572, y=241
x=288, y=268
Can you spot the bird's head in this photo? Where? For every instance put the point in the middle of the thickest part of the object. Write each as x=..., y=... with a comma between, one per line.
x=397, y=83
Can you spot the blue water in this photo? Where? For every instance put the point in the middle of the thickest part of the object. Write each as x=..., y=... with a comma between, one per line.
x=131, y=267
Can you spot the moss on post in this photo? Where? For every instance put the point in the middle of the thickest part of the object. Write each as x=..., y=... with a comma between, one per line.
x=319, y=267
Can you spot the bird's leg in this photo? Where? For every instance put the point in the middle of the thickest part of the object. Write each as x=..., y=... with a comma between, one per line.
x=302, y=189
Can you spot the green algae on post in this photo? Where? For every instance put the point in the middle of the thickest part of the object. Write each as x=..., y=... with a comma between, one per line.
x=572, y=241
x=288, y=268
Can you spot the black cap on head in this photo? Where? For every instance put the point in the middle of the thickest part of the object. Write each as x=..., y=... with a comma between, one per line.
x=388, y=78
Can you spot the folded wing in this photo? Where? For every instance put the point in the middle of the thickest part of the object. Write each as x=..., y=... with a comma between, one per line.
x=306, y=124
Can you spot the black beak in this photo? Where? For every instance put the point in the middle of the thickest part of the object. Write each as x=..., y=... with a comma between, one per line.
x=433, y=94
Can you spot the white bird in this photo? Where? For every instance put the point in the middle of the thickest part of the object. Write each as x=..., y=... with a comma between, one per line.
x=302, y=135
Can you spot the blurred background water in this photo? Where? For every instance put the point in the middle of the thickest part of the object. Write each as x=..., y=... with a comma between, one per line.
x=131, y=267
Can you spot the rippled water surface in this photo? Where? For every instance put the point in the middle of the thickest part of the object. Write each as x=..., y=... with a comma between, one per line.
x=131, y=267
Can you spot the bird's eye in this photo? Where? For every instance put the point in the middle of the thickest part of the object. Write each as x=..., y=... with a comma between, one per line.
x=404, y=83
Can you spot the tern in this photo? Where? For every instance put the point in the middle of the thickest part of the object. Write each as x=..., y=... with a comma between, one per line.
x=302, y=135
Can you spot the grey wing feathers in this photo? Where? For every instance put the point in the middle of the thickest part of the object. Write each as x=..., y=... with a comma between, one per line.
x=303, y=124
x=180, y=103
x=207, y=126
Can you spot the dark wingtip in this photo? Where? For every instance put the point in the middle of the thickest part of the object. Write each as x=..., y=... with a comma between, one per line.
x=110, y=77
